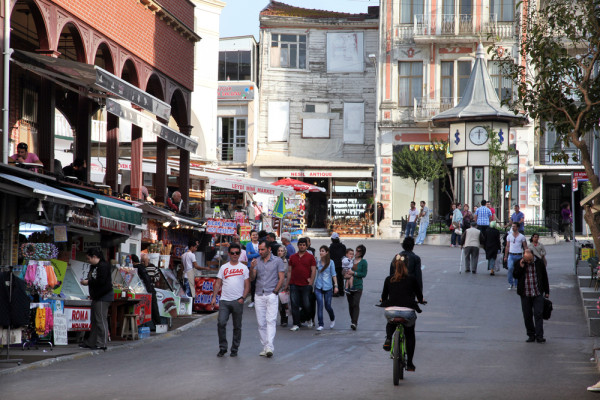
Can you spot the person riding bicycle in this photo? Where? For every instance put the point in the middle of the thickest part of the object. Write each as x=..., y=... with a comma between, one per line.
x=400, y=290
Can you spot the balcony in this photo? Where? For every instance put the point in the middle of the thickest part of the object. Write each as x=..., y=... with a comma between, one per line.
x=545, y=156
x=425, y=108
x=454, y=27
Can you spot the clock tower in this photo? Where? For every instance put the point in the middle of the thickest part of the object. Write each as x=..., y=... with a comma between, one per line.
x=478, y=112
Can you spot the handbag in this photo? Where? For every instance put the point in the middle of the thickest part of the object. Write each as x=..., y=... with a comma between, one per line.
x=547, y=309
x=499, y=263
x=458, y=231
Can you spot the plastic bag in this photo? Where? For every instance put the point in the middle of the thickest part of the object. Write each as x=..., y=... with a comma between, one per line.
x=284, y=297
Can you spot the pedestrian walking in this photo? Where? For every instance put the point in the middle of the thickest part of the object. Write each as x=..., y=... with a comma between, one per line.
x=188, y=259
x=269, y=272
x=413, y=215
x=457, y=219
x=484, y=217
x=567, y=221
x=284, y=294
x=467, y=218
x=470, y=243
x=337, y=251
x=303, y=268
x=325, y=286
x=513, y=252
x=286, y=240
x=233, y=279
x=519, y=218
x=538, y=248
x=533, y=287
x=424, y=215
x=101, y=292
x=358, y=272
x=252, y=253
x=492, y=247
x=412, y=261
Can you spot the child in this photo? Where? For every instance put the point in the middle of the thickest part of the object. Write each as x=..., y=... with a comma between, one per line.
x=347, y=264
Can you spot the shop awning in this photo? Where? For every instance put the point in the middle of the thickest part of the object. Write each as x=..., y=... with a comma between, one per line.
x=38, y=190
x=164, y=215
x=112, y=208
x=243, y=184
x=121, y=110
x=97, y=81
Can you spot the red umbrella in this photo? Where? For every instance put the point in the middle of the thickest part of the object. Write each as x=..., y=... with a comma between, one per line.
x=298, y=186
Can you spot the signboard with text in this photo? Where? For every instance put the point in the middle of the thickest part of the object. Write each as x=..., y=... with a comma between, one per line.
x=235, y=92
x=78, y=318
x=112, y=225
x=225, y=227
x=578, y=176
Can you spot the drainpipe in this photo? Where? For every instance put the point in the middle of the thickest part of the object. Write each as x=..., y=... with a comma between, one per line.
x=6, y=81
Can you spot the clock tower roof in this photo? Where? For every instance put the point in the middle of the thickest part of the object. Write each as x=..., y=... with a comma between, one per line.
x=480, y=101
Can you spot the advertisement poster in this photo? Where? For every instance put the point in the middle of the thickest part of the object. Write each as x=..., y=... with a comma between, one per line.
x=533, y=189
x=78, y=319
x=60, y=233
x=225, y=227
x=60, y=270
x=245, y=233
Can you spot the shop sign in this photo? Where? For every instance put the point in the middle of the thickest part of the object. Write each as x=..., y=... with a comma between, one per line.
x=84, y=218
x=245, y=233
x=316, y=173
x=240, y=217
x=225, y=227
x=150, y=234
x=60, y=329
x=115, y=226
x=364, y=185
x=578, y=176
x=235, y=92
x=78, y=319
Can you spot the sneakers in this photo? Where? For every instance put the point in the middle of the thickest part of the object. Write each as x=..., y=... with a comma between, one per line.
x=411, y=367
x=263, y=353
x=251, y=305
x=310, y=324
x=387, y=345
x=353, y=327
x=284, y=324
x=540, y=340
x=294, y=328
x=221, y=353
x=269, y=353
x=319, y=328
x=332, y=324
x=594, y=388
x=510, y=287
x=233, y=354
x=530, y=339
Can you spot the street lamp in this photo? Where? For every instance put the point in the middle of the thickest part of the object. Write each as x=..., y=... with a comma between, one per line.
x=377, y=197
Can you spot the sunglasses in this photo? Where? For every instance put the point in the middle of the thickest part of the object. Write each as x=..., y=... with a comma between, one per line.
x=234, y=253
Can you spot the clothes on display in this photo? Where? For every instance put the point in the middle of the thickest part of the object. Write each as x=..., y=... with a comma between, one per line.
x=44, y=320
x=14, y=301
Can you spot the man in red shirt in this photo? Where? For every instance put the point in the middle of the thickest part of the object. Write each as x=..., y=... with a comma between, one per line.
x=302, y=271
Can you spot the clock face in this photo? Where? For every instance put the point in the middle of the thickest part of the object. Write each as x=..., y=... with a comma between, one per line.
x=478, y=135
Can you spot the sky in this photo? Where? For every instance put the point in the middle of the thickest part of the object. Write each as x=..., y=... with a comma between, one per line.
x=240, y=17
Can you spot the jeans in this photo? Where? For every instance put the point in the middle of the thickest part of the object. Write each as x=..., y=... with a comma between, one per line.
x=492, y=263
x=300, y=297
x=511, y=267
x=454, y=237
x=99, y=321
x=410, y=229
x=533, y=308
x=422, y=232
x=471, y=258
x=236, y=310
x=324, y=295
x=266, y=317
x=354, y=305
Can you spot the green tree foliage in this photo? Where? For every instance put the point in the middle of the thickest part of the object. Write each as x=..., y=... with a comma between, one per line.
x=417, y=166
x=499, y=171
x=559, y=85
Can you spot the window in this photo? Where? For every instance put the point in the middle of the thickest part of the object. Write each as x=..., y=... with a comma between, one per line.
x=464, y=73
x=410, y=82
x=233, y=139
x=502, y=83
x=502, y=10
x=354, y=123
x=409, y=9
x=315, y=120
x=447, y=82
x=278, y=122
x=478, y=183
x=288, y=51
x=345, y=52
x=235, y=66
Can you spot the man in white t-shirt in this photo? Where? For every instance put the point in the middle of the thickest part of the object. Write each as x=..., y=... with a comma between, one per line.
x=516, y=244
x=233, y=280
x=188, y=259
x=413, y=214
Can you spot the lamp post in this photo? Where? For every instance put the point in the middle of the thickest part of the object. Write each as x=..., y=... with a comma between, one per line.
x=377, y=188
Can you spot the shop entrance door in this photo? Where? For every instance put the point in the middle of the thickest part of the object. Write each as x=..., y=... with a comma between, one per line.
x=316, y=205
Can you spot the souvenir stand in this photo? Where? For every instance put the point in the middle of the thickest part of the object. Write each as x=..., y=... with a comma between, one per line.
x=293, y=211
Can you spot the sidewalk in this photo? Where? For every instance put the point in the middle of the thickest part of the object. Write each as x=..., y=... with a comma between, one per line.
x=44, y=356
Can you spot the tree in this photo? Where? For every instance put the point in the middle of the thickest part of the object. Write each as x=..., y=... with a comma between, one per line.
x=558, y=85
x=416, y=166
x=499, y=171
x=439, y=152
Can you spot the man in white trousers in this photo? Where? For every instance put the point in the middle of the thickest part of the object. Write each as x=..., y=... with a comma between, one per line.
x=269, y=272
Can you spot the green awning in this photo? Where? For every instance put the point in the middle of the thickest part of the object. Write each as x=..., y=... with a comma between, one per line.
x=112, y=208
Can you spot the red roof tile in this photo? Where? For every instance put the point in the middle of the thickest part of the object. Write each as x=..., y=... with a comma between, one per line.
x=276, y=8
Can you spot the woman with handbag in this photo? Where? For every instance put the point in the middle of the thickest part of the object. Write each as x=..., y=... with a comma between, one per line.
x=457, y=218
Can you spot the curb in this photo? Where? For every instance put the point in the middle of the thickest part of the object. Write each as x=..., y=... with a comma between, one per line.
x=129, y=345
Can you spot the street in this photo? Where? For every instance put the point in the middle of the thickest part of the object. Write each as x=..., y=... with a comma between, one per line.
x=470, y=344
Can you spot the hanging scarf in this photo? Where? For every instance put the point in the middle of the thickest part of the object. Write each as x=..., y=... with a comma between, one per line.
x=40, y=321
x=31, y=273
x=52, y=281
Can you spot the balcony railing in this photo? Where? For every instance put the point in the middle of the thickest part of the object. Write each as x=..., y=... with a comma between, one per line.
x=454, y=25
x=546, y=153
x=425, y=108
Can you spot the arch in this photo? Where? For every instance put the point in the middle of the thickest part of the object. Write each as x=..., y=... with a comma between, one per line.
x=104, y=58
x=70, y=45
x=155, y=87
x=28, y=27
x=179, y=110
x=129, y=73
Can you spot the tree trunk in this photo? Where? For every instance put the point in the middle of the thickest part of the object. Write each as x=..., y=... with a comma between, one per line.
x=592, y=220
x=415, y=191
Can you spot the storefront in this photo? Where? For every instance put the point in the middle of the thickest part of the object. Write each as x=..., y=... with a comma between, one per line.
x=346, y=204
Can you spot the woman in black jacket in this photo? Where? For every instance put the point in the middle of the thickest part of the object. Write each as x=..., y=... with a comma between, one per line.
x=101, y=292
x=492, y=247
x=400, y=290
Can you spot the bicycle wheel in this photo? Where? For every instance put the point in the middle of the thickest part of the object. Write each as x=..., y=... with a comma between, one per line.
x=398, y=372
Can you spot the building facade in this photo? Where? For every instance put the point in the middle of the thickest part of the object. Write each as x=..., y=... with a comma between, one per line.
x=318, y=109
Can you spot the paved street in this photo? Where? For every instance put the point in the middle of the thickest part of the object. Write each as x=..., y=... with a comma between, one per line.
x=470, y=344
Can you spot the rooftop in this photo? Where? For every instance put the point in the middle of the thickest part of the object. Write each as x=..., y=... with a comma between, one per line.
x=278, y=9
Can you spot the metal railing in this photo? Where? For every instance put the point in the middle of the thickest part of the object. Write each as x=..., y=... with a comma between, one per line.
x=545, y=156
x=455, y=25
